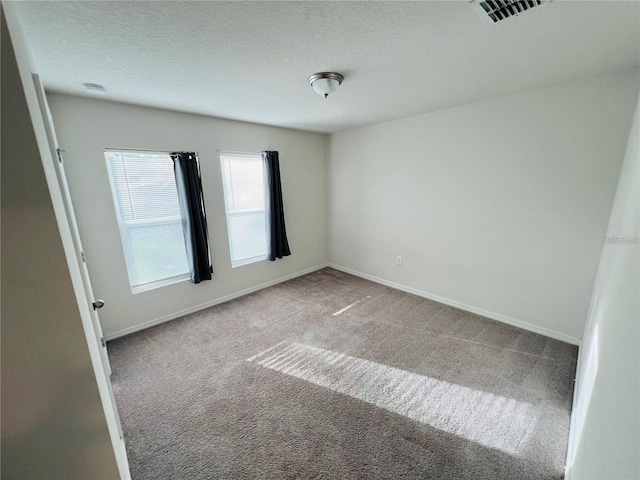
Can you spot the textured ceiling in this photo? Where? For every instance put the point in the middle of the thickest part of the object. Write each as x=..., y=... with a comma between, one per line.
x=250, y=60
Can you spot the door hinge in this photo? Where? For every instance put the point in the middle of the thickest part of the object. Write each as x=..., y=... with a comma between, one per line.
x=84, y=257
x=103, y=342
x=59, y=153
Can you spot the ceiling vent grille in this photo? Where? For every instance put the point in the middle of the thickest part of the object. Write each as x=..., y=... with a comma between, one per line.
x=498, y=10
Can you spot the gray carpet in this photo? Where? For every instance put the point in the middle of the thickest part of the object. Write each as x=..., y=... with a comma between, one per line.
x=332, y=376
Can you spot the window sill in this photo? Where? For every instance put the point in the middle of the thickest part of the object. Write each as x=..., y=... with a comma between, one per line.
x=247, y=261
x=158, y=284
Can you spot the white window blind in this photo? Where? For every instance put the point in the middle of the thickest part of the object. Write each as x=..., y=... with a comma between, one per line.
x=244, y=198
x=146, y=202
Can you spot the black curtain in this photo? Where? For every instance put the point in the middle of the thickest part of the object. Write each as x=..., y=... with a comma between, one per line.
x=194, y=219
x=278, y=244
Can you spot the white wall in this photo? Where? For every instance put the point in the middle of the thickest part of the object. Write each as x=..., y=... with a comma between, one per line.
x=606, y=420
x=53, y=419
x=499, y=205
x=86, y=126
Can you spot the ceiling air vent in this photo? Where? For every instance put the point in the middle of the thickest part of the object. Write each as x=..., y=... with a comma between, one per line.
x=498, y=10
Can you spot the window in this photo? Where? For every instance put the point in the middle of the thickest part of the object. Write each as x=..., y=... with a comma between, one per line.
x=244, y=198
x=146, y=202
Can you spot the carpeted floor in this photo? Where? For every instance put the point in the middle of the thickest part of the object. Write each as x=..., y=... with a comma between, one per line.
x=332, y=376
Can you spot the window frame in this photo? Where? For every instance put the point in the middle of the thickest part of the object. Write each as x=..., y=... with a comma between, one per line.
x=227, y=156
x=124, y=225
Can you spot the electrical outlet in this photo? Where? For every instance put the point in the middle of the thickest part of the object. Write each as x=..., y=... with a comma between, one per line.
x=399, y=261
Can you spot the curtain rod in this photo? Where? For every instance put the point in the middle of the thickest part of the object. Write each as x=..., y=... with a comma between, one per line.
x=169, y=152
x=220, y=150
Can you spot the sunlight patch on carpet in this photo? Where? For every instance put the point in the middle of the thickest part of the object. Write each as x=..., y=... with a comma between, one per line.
x=491, y=420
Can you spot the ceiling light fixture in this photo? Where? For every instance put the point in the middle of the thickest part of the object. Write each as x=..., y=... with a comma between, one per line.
x=324, y=83
x=95, y=89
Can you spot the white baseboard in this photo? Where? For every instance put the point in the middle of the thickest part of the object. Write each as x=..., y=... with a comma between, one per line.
x=494, y=316
x=202, y=306
x=478, y=311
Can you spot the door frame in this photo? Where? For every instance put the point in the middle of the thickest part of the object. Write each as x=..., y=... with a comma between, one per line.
x=56, y=152
x=90, y=299
x=25, y=67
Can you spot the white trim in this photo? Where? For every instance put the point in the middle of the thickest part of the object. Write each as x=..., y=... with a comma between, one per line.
x=236, y=154
x=573, y=443
x=247, y=261
x=478, y=311
x=202, y=306
x=141, y=151
x=152, y=222
x=571, y=446
x=145, y=287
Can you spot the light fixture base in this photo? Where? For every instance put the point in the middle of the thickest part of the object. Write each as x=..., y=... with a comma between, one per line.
x=324, y=83
x=330, y=75
x=94, y=88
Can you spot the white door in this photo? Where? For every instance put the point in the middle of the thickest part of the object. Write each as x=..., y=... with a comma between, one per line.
x=94, y=303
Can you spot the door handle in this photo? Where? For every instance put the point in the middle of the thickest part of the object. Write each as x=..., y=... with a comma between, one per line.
x=98, y=304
